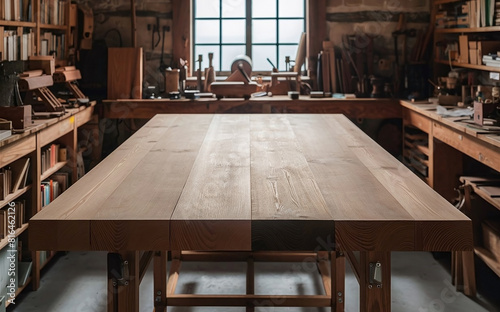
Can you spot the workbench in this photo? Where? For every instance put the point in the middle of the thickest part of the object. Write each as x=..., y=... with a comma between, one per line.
x=446, y=141
x=251, y=186
x=351, y=107
x=448, y=138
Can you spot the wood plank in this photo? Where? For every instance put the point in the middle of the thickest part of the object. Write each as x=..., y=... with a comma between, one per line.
x=243, y=300
x=125, y=70
x=353, y=195
x=214, y=210
x=421, y=202
x=160, y=281
x=288, y=210
x=17, y=149
x=65, y=223
x=151, y=190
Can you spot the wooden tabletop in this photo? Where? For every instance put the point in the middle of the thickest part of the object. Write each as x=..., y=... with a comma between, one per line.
x=250, y=182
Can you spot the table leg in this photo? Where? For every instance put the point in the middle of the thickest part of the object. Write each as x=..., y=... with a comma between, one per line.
x=338, y=281
x=375, y=281
x=123, y=281
x=160, y=281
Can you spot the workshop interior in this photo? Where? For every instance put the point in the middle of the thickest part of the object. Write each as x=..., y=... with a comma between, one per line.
x=81, y=82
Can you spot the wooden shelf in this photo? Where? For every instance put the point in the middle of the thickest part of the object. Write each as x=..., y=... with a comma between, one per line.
x=5, y=241
x=467, y=30
x=53, y=27
x=13, y=196
x=437, y=2
x=19, y=290
x=53, y=169
x=491, y=261
x=471, y=66
x=17, y=23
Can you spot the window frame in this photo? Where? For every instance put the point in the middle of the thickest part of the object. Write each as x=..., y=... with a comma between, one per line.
x=248, y=18
x=315, y=29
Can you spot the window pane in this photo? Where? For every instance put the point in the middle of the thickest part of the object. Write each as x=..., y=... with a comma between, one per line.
x=233, y=31
x=233, y=8
x=264, y=31
x=204, y=8
x=204, y=50
x=263, y=8
x=207, y=31
x=260, y=55
x=286, y=50
x=229, y=53
x=291, y=8
x=290, y=30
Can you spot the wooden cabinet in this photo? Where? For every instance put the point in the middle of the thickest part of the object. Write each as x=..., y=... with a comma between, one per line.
x=37, y=27
x=38, y=145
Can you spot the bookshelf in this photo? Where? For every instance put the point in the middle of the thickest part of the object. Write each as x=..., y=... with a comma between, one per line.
x=42, y=27
x=58, y=135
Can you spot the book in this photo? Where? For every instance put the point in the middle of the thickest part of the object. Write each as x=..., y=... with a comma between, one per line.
x=19, y=172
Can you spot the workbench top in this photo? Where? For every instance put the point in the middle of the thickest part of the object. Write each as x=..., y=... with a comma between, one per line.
x=250, y=182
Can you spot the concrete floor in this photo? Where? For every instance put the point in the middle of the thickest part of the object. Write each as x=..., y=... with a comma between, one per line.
x=76, y=282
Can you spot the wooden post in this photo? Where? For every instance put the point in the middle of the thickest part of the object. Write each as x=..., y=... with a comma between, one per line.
x=134, y=23
x=181, y=32
x=375, y=297
x=160, y=281
x=338, y=281
x=124, y=296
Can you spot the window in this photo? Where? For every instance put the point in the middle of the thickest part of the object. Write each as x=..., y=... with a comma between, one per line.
x=261, y=29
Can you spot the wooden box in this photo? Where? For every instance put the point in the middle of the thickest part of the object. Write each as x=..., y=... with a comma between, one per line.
x=45, y=63
x=491, y=236
x=20, y=116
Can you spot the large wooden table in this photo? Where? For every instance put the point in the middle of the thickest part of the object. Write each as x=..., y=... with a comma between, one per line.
x=251, y=184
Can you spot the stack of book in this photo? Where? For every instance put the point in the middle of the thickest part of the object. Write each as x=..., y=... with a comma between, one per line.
x=51, y=155
x=16, y=10
x=492, y=59
x=53, y=12
x=16, y=47
x=53, y=43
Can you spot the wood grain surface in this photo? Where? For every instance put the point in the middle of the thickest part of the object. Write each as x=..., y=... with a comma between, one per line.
x=250, y=182
x=213, y=211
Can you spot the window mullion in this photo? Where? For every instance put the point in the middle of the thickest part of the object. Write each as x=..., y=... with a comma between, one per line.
x=249, y=28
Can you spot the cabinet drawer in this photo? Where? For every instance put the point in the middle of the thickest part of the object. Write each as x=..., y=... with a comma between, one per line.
x=417, y=120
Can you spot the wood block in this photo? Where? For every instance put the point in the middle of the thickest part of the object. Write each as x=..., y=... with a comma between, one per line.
x=65, y=76
x=46, y=63
x=491, y=236
x=20, y=116
x=125, y=72
x=32, y=83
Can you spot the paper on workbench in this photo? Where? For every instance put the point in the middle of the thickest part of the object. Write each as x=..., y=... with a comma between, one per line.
x=454, y=112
